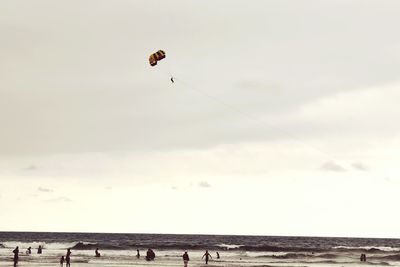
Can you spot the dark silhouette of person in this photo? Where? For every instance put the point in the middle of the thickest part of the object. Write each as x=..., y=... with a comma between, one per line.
x=172, y=79
x=16, y=252
x=68, y=258
x=29, y=250
x=137, y=254
x=150, y=255
x=62, y=261
x=97, y=253
x=217, y=255
x=185, y=258
x=207, y=256
x=363, y=257
x=39, y=250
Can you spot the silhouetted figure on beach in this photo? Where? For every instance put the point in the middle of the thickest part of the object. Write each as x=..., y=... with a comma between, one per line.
x=39, y=250
x=68, y=258
x=185, y=258
x=97, y=253
x=137, y=254
x=62, y=261
x=207, y=256
x=217, y=255
x=16, y=252
x=29, y=251
x=363, y=257
x=150, y=255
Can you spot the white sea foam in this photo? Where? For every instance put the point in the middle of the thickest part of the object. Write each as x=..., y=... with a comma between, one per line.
x=35, y=245
x=229, y=246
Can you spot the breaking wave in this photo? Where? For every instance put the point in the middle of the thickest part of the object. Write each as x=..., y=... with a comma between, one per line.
x=367, y=249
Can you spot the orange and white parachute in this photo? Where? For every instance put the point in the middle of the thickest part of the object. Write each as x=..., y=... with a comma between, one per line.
x=155, y=57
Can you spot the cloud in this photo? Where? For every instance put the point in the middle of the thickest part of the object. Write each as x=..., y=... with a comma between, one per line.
x=332, y=166
x=204, y=184
x=58, y=199
x=257, y=85
x=30, y=168
x=360, y=166
x=46, y=190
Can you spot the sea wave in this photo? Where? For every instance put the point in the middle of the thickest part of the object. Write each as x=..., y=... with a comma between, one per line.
x=78, y=245
x=382, y=263
x=308, y=250
x=369, y=249
x=36, y=244
x=91, y=246
x=292, y=256
x=392, y=257
x=327, y=256
x=229, y=246
x=81, y=245
x=280, y=249
x=300, y=255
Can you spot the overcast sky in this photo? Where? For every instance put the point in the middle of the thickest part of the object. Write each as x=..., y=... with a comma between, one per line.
x=283, y=118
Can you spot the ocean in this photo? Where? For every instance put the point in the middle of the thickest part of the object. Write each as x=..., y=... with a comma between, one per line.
x=246, y=251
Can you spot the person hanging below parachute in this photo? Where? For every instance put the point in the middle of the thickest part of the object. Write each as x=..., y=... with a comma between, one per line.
x=157, y=56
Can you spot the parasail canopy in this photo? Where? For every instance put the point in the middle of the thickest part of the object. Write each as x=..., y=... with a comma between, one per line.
x=155, y=57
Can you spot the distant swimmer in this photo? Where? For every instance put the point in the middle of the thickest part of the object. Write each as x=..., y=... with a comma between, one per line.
x=172, y=79
x=185, y=258
x=97, y=253
x=39, y=250
x=29, y=251
x=217, y=255
x=16, y=252
x=68, y=258
x=207, y=256
x=137, y=254
x=62, y=261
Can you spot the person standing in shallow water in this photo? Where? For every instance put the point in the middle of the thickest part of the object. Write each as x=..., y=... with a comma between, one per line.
x=62, y=261
x=207, y=256
x=150, y=255
x=137, y=254
x=97, y=253
x=16, y=252
x=185, y=258
x=68, y=258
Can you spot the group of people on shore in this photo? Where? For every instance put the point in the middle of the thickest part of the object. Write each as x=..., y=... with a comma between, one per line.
x=28, y=252
x=150, y=256
x=206, y=257
x=67, y=258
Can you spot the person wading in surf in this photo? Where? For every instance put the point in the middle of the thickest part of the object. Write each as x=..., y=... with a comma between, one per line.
x=207, y=256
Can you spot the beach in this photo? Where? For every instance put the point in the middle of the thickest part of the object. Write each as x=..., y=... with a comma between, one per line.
x=173, y=258
x=244, y=251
